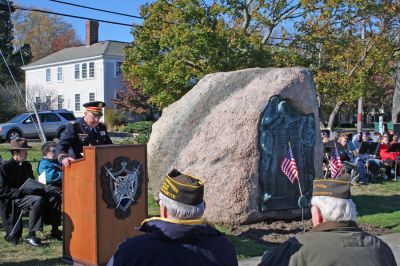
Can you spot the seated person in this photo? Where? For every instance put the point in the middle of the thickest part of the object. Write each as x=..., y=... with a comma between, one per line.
x=44, y=205
x=50, y=166
x=351, y=162
x=388, y=158
x=180, y=236
x=377, y=137
x=325, y=136
x=335, y=238
x=395, y=139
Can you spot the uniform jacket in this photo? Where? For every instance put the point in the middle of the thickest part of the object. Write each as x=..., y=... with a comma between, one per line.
x=170, y=242
x=12, y=176
x=70, y=138
x=332, y=243
x=53, y=171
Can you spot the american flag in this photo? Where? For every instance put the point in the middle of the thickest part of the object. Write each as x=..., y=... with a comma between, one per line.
x=289, y=167
x=336, y=164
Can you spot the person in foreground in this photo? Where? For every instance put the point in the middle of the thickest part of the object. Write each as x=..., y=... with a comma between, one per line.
x=87, y=131
x=179, y=236
x=43, y=203
x=335, y=238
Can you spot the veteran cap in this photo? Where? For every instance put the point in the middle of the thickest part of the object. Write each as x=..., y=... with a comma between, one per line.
x=183, y=188
x=95, y=107
x=339, y=188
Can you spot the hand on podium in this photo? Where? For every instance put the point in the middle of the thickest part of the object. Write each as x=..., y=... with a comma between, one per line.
x=66, y=161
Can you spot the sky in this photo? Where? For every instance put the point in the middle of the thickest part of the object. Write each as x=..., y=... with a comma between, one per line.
x=106, y=31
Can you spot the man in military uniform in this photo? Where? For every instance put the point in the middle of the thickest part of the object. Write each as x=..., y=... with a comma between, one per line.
x=335, y=238
x=87, y=131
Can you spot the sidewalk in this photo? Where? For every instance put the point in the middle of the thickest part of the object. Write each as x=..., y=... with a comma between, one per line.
x=392, y=240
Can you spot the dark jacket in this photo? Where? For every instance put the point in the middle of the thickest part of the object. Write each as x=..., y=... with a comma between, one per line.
x=70, y=138
x=12, y=176
x=168, y=242
x=332, y=243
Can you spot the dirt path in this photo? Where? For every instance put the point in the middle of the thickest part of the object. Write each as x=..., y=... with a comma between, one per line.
x=273, y=233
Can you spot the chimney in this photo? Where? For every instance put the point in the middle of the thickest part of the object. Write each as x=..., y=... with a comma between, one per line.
x=92, y=32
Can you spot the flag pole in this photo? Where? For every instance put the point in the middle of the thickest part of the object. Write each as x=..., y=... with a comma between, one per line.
x=301, y=198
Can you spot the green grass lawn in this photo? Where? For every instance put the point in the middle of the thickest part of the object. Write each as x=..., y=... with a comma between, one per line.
x=377, y=204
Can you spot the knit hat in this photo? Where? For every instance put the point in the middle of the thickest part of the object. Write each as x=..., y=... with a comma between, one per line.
x=183, y=188
x=339, y=188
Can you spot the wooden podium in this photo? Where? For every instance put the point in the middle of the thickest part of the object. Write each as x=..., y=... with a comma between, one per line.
x=93, y=224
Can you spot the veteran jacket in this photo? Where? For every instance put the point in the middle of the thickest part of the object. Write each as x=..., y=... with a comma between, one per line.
x=170, y=242
x=12, y=176
x=71, y=138
x=332, y=243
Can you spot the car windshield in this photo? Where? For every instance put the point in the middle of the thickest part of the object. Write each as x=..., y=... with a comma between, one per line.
x=17, y=119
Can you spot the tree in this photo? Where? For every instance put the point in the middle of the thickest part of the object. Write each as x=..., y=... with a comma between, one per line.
x=10, y=98
x=180, y=42
x=350, y=63
x=13, y=58
x=45, y=33
x=134, y=100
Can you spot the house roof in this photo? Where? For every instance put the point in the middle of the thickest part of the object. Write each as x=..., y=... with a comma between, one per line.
x=110, y=48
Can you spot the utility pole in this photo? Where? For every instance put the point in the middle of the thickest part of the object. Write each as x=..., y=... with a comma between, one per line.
x=360, y=100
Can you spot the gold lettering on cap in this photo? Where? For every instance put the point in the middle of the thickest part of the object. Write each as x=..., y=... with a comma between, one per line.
x=322, y=193
x=173, y=187
x=320, y=185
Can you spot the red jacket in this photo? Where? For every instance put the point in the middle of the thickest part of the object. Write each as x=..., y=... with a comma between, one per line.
x=385, y=155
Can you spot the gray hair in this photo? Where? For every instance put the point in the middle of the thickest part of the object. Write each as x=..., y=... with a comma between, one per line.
x=182, y=211
x=335, y=209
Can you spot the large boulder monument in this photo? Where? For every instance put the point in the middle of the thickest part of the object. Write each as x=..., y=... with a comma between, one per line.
x=233, y=130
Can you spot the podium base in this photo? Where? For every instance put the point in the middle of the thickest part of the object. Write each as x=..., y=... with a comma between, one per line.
x=78, y=262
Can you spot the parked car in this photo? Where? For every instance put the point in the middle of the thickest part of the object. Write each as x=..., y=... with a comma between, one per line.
x=26, y=126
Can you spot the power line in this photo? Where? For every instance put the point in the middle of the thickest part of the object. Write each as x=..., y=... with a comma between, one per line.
x=72, y=16
x=97, y=9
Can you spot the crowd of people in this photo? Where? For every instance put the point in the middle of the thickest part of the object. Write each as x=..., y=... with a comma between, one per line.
x=180, y=236
x=363, y=166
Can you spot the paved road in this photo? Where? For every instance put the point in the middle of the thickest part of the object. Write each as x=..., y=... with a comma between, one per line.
x=392, y=240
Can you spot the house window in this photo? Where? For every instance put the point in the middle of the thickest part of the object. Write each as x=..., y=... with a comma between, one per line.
x=91, y=70
x=60, y=101
x=91, y=97
x=48, y=74
x=118, y=70
x=77, y=72
x=77, y=102
x=84, y=70
x=59, y=74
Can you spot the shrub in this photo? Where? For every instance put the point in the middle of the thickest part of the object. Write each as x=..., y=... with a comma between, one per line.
x=142, y=127
x=114, y=118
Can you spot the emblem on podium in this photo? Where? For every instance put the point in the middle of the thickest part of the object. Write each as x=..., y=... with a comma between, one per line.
x=121, y=185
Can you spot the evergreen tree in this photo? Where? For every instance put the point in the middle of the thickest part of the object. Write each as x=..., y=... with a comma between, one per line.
x=13, y=58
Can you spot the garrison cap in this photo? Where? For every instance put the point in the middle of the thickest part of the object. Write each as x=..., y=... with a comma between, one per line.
x=95, y=107
x=183, y=188
x=339, y=188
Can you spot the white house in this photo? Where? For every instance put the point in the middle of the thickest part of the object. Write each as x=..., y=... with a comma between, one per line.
x=72, y=76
